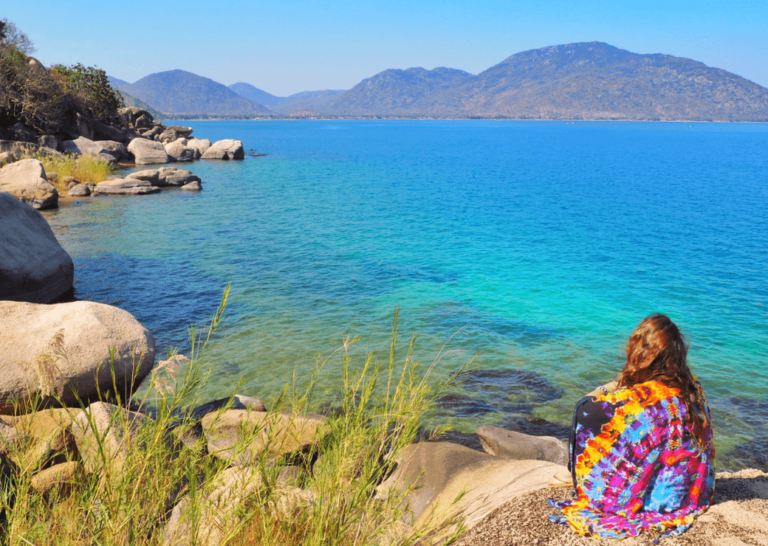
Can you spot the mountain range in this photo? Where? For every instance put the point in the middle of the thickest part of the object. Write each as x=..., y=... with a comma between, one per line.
x=590, y=80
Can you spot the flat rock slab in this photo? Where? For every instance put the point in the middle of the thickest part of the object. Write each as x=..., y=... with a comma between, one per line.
x=61, y=349
x=280, y=434
x=516, y=445
x=27, y=182
x=33, y=266
x=452, y=480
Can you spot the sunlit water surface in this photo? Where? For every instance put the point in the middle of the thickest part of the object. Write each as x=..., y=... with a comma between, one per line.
x=541, y=244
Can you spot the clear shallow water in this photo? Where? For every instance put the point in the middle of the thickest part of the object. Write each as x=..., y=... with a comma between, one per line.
x=545, y=243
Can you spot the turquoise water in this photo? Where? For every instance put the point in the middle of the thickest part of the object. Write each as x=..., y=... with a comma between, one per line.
x=540, y=245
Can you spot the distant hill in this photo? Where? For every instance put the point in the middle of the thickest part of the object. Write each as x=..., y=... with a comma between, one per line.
x=255, y=94
x=576, y=81
x=184, y=93
x=306, y=100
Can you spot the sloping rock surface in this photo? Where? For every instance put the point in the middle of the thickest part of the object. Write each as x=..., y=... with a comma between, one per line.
x=33, y=266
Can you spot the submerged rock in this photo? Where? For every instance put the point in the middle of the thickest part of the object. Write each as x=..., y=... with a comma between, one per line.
x=26, y=181
x=33, y=266
x=516, y=445
x=68, y=348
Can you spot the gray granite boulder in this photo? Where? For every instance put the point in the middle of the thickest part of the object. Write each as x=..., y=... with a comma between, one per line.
x=67, y=348
x=199, y=145
x=516, y=445
x=48, y=141
x=147, y=152
x=125, y=186
x=26, y=181
x=193, y=186
x=179, y=151
x=33, y=266
x=225, y=149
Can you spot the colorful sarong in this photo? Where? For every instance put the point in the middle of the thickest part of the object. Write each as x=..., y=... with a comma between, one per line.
x=637, y=467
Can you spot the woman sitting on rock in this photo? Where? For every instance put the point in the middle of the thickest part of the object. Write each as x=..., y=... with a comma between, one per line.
x=642, y=448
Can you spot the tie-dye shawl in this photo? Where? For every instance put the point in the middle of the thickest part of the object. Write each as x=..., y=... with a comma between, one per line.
x=637, y=467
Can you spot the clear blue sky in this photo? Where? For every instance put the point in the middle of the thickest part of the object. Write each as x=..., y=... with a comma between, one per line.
x=286, y=46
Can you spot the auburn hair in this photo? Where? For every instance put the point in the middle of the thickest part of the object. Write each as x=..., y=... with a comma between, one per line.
x=657, y=351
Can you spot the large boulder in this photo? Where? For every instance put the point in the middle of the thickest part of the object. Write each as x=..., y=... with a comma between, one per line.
x=193, y=186
x=16, y=150
x=516, y=445
x=225, y=149
x=282, y=434
x=179, y=151
x=199, y=145
x=174, y=132
x=113, y=148
x=147, y=152
x=130, y=114
x=33, y=266
x=26, y=181
x=55, y=351
x=447, y=481
x=82, y=146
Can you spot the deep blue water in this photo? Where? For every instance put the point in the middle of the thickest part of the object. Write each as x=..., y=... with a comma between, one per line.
x=542, y=243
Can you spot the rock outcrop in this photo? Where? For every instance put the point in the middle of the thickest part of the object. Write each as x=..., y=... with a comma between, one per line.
x=26, y=181
x=280, y=433
x=450, y=480
x=125, y=186
x=200, y=145
x=516, y=445
x=165, y=176
x=225, y=149
x=147, y=152
x=178, y=150
x=33, y=266
x=218, y=510
x=102, y=433
x=55, y=351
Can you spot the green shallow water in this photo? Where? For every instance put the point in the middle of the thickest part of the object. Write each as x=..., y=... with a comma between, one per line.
x=539, y=245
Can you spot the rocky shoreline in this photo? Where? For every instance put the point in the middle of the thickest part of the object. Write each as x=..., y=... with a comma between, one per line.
x=139, y=141
x=67, y=408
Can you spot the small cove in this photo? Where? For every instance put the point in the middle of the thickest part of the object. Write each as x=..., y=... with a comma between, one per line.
x=541, y=244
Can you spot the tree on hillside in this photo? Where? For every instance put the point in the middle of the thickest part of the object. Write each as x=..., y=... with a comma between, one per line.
x=91, y=86
x=10, y=35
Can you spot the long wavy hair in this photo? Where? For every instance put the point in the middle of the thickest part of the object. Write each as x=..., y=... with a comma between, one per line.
x=657, y=351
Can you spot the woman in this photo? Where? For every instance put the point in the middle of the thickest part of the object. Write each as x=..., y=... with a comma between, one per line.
x=642, y=449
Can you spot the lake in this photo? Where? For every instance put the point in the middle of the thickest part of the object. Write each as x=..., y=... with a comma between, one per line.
x=538, y=245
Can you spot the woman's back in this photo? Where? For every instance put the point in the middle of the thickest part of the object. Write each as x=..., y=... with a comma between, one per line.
x=636, y=467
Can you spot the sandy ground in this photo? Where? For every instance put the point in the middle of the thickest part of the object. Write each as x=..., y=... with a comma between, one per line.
x=738, y=517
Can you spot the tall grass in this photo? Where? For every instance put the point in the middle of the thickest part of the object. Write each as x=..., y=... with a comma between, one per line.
x=86, y=169
x=330, y=499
